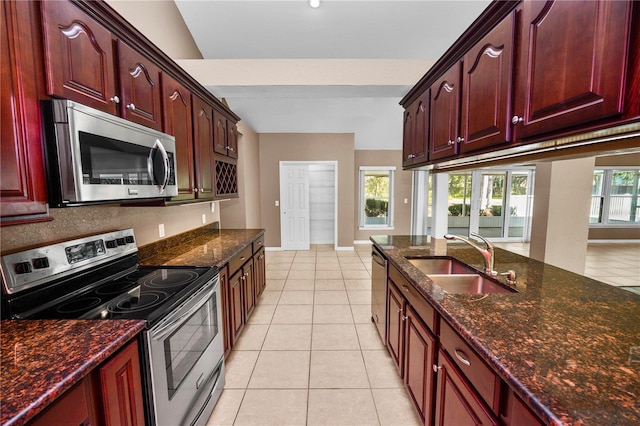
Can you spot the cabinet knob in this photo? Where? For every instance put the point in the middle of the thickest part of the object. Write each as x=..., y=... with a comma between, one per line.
x=460, y=139
x=449, y=143
x=406, y=288
x=195, y=189
x=404, y=317
x=115, y=99
x=516, y=119
x=131, y=107
x=436, y=368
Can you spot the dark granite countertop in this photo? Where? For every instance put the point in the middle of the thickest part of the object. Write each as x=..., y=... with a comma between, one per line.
x=212, y=247
x=563, y=342
x=42, y=359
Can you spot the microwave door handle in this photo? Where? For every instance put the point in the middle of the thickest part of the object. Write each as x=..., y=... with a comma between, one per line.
x=165, y=160
x=176, y=320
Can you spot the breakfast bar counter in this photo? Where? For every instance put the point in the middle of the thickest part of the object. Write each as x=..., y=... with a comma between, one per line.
x=567, y=345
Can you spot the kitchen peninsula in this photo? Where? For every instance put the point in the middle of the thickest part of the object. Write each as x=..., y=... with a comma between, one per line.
x=564, y=344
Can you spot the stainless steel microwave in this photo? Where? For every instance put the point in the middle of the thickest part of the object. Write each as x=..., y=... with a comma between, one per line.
x=94, y=157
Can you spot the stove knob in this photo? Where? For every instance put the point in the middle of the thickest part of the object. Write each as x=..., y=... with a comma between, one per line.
x=112, y=244
x=129, y=239
x=22, y=268
x=41, y=263
x=121, y=241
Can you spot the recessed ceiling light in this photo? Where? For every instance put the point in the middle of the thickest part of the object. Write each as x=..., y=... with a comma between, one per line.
x=314, y=3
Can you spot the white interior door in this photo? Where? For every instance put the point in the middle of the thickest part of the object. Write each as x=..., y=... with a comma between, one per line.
x=294, y=206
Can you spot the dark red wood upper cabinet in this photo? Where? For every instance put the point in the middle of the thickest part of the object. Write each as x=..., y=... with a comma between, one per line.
x=203, y=149
x=416, y=131
x=232, y=139
x=23, y=191
x=79, y=58
x=220, y=133
x=571, y=66
x=487, y=85
x=445, y=114
x=176, y=100
x=140, y=88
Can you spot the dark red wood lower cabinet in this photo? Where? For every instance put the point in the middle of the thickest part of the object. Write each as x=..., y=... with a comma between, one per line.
x=419, y=349
x=121, y=387
x=457, y=403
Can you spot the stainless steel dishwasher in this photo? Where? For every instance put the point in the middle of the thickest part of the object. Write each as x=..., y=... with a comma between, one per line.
x=379, y=292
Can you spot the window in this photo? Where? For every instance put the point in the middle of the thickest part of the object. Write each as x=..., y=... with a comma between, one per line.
x=615, y=198
x=376, y=197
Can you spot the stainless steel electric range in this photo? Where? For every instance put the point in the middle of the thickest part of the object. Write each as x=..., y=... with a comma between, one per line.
x=98, y=277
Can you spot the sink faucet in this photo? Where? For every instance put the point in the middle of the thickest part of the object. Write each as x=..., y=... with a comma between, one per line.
x=487, y=253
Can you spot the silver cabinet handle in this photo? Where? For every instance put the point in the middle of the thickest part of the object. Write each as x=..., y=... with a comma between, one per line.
x=449, y=143
x=460, y=139
x=436, y=368
x=406, y=288
x=131, y=107
x=115, y=99
x=404, y=318
x=462, y=357
x=516, y=119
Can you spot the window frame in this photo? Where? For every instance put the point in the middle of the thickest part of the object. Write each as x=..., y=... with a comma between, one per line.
x=605, y=196
x=361, y=218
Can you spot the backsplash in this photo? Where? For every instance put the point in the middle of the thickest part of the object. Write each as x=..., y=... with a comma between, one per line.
x=74, y=222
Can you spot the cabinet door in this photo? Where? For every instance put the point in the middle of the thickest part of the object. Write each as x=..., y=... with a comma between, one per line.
x=571, y=64
x=416, y=131
x=487, y=84
x=177, y=122
x=445, y=115
x=140, y=88
x=203, y=148
x=75, y=407
x=408, y=135
x=121, y=386
x=236, y=315
x=78, y=56
x=419, y=355
x=248, y=288
x=259, y=273
x=226, y=309
x=22, y=178
x=232, y=139
x=456, y=401
x=395, y=326
x=220, y=133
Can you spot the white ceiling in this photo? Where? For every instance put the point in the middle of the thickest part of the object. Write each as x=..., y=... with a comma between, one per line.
x=251, y=33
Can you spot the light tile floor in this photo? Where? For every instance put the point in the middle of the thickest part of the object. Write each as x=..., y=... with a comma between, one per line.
x=309, y=353
x=614, y=264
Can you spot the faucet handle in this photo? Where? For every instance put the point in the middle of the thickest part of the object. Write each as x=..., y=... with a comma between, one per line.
x=511, y=276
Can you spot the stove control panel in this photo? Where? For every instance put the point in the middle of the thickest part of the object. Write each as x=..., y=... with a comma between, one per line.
x=34, y=267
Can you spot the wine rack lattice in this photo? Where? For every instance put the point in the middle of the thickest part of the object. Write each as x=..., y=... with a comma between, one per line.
x=226, y=178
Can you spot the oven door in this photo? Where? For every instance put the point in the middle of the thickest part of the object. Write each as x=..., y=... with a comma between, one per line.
x=186, y=357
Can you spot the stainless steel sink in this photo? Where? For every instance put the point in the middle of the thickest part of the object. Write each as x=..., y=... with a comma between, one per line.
x=441, y=266
x=468, y=284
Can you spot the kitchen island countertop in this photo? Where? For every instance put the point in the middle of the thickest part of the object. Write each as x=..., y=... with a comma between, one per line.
x=564, y=343
x=42, y=359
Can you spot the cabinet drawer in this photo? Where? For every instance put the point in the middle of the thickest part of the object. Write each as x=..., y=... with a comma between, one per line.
x=483, y=379
x=239, y=259
x=74, y=407
x=425, y=311
x=258, y=243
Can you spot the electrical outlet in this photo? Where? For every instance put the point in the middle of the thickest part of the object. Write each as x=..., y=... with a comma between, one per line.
x=277, y=203
x=213, y=207
x=204, y=218
x=161, y=230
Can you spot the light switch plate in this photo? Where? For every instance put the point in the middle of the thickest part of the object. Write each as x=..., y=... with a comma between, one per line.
x=161, y=230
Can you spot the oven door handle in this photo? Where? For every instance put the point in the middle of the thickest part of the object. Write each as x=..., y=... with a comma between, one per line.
x=184, y=311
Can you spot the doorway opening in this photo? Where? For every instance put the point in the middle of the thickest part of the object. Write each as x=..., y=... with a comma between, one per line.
x=308, y=200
